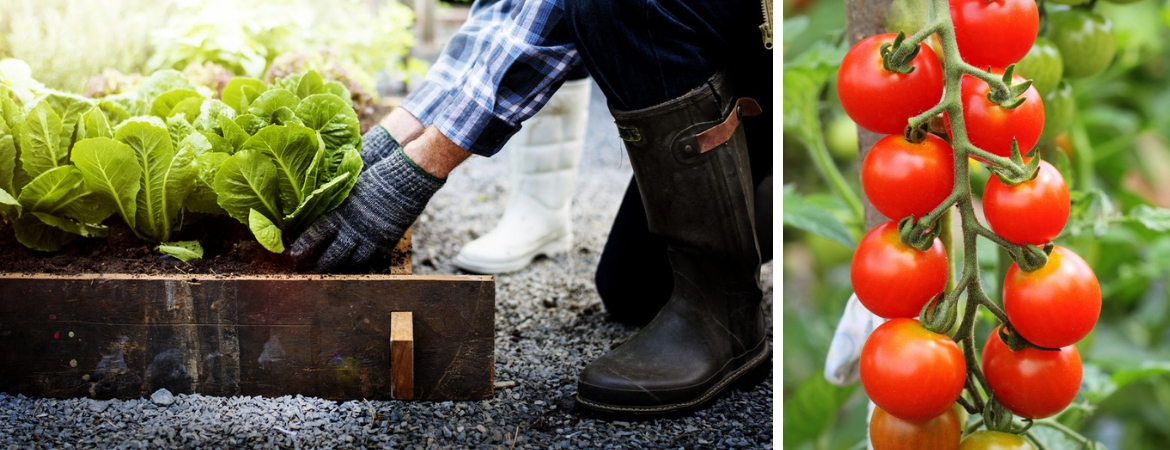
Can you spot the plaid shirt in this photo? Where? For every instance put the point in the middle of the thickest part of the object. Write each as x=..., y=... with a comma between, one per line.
x=499, y=70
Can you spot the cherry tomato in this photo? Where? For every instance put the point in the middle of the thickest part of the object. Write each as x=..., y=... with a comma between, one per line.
x=911, y=372
x=1056, y=305
x=994, y=440
x=1059, y=107
x=887, y=432
x=1085, y=40
x=992, y=127
x=994, y=33
x=1043, y=65
x=1032, y=383
x=883, y=101
x=902, y=178
x=892, y=279
x=1032, y=212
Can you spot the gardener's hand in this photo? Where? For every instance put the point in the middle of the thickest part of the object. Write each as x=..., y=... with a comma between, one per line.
x=389, y=195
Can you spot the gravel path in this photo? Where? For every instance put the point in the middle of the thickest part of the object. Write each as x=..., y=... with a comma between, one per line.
x=549, y=325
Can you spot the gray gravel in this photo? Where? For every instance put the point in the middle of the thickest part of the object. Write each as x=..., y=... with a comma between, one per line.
x=549, y=325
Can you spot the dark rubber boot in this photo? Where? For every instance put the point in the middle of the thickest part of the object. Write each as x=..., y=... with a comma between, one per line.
x=711, y=332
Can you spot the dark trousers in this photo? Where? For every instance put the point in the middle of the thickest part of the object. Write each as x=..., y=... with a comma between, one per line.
x=643, y=53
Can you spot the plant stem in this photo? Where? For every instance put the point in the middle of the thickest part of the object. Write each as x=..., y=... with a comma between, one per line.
x=823, y=161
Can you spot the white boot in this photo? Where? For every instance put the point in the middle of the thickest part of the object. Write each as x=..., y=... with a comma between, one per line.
x=544, y=156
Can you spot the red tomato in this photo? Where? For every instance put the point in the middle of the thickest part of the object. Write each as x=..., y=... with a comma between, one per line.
x=1032, y=212
x=1055, y=305
x=887, y=432
x=1032, y=383
x=994, y=33
x=892, y=279
x=902, y=178
x=994, y=440
x=911, y=372
x=992, y=127
x=883, y=101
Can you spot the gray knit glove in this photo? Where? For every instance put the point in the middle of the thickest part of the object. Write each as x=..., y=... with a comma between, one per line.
x=377, y=144
x=386, y=200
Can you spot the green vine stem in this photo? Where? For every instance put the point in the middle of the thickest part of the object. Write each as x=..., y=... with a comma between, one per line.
x=960, y=198
x=823, y=161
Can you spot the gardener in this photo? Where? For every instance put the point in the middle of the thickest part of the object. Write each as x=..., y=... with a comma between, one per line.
x=670, y=79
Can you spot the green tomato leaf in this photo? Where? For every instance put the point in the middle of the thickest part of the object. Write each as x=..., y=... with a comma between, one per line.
x=234, y=94
x=1145, y=371
x=807, y=216
x=245, y=181
x=40, y=140
x=111, y=170
x=292, y=148
x=185, y=251
x=333, y=118
x=267, y=233
x=1096, y=385
x=165, y=104
x=1153, y=218
x=811, y=410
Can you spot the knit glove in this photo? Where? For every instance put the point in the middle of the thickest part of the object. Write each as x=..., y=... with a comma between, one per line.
x=386, y=200
x=377, y=144
x=843, y=363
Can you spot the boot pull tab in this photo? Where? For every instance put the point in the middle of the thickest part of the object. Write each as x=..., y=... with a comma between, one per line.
x=718, y=134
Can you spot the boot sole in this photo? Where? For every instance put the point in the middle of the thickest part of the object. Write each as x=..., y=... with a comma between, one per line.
x=746, y=377
x=559, y=245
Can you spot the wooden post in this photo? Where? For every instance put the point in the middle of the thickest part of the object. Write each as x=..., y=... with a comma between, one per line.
x=401, y=356
x=865, y=18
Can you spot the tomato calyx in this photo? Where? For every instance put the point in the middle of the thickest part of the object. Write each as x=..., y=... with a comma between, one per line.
x=939, y=315
x=1012, y=97
x=896, y=57
x=917, y=237
x=1029, y=257
x=916, y=134
x=1018, y=171
x=998, y=418
x=1015, y=342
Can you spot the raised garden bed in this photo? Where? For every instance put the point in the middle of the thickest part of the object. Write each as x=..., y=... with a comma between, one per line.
x=75, y=323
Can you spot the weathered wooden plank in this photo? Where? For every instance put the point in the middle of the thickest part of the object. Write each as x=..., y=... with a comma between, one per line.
x=327, y=336
x=401, y=355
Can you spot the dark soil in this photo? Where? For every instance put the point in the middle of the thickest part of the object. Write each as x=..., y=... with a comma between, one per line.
x=228, y=249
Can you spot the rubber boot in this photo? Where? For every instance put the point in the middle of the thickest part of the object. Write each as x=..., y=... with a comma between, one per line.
x=544, y=157
x=691, y=164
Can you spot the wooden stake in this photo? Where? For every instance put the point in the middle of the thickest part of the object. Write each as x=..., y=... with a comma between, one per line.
x=401, y=356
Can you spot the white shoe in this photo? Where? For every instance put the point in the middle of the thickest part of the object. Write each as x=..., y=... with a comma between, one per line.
x=544, y=158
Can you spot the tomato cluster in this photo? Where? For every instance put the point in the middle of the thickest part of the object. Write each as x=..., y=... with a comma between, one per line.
x=913, y=371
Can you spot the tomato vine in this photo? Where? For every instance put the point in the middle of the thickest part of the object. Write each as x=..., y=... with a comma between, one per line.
x=940, y=316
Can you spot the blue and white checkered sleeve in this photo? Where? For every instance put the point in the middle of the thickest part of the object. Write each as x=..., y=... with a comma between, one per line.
x=484, y=19
x=511, y=78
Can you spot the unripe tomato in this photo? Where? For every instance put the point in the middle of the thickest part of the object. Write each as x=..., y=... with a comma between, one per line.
x=1032, y=383
x=911, y=372
x=994, y=33
x=883, y=101
x=1085, y=40
x=1043, y=65
x=892, y=279
x=994, y=440
x=1032, y=212
x=903, y=178
x=1059, y=107
x=887, y=432
x=1056, y=305
x=992, y=127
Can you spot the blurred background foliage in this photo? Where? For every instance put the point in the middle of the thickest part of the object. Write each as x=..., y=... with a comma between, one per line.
x=1115, y=157
x=66, y=42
